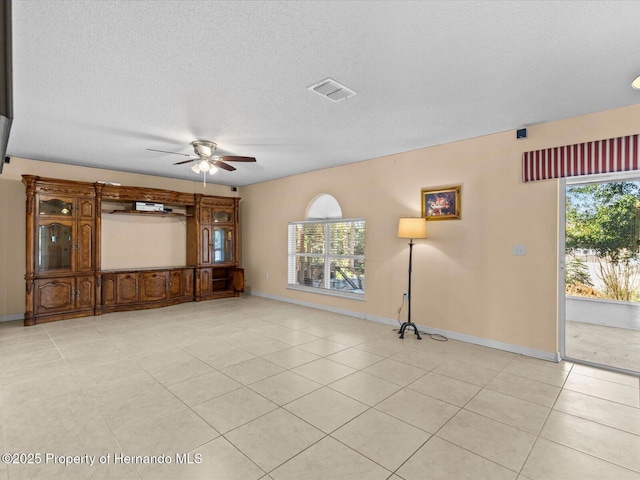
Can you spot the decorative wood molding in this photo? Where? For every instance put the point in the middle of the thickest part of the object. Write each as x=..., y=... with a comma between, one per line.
x=53, y=186
x=142, y=194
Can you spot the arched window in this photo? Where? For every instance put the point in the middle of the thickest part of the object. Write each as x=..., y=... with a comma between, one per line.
x=326, y=252
x=323, y=207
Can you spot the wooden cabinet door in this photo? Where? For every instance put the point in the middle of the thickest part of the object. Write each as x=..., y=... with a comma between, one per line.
x=84, y=246
x=205, y=244
x=153, y=286
x=176, y=282
x=85, y=233
x=54, y=295
x=222, y=245
x=65, y=244
x=205, y=280
x=85, y=208
x=84, y=292
x=205, y=215
x=188, y=282
x=127, y=288
x=238, y=279
x=108, y=289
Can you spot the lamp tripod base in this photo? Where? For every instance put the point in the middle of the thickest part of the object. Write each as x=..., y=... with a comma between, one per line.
x=406, y=325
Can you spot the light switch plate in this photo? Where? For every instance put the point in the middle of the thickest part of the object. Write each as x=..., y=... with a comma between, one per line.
x=519, y=250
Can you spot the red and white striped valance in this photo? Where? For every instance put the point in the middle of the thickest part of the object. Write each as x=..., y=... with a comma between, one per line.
x=602, y=156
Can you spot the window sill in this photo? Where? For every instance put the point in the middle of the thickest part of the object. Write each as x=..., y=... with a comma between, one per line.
x=330, y=293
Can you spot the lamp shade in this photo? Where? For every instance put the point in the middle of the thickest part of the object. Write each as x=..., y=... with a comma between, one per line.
x=412, y=228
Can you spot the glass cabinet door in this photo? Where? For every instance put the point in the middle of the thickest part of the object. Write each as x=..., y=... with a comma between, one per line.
x=222, y=245
x=222, y=216
x=55, y=206
x=55, y=246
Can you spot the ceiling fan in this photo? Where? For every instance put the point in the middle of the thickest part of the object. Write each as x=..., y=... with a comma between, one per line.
x=206, y=161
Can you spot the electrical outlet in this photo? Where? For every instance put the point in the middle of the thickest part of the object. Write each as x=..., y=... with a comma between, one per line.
x=519, y=250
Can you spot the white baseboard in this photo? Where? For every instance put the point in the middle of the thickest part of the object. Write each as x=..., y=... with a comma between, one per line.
x=11, y=318
x=484, y=342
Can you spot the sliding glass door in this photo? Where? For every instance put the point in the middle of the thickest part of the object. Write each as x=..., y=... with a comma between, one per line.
x=600, y=260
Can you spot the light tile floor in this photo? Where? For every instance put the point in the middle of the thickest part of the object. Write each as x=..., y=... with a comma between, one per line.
x=249, y=388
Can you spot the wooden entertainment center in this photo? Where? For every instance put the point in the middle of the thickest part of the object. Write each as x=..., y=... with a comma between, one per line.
x=64, y=278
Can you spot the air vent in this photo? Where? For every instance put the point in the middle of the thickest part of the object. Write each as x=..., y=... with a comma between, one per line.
x=332, y=90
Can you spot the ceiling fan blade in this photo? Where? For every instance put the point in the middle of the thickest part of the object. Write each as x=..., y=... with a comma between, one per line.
x=185, y=161
x=232, y=158
x=223, y=165
x=171, y=153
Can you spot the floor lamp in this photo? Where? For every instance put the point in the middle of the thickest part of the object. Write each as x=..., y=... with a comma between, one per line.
x=411, y=228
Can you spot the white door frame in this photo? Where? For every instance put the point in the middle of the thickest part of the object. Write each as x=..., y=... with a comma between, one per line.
x=562, y=301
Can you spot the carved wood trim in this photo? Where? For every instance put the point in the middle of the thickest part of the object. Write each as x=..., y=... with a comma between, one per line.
x=116, y=193
x=58, y=187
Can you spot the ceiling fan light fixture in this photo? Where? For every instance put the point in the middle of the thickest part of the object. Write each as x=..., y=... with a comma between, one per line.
x=636, y=83
x=204, y=165
x=206, y=161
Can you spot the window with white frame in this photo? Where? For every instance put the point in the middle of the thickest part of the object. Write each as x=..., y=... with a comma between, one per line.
x=327, y=255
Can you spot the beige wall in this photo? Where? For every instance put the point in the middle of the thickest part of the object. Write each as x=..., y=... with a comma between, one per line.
x=12, y=246
x=148, y=242
x=465, y=278
x=12, y=224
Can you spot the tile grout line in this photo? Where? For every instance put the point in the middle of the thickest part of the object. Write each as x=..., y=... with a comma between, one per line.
x=537, y=437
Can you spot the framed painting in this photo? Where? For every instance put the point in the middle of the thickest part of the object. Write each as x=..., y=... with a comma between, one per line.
x=442, y=203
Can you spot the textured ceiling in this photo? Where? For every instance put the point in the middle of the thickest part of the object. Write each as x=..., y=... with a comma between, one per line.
x=97, y=82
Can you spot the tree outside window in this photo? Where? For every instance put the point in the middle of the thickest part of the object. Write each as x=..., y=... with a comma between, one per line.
x=602, y=233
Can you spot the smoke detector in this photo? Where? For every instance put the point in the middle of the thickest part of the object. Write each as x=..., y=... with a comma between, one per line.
x=332, y=90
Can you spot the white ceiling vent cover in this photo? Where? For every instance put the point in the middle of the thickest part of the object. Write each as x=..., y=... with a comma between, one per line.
x=332, y=90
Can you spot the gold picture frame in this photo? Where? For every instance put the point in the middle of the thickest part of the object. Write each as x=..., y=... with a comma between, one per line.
x=441, y=203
